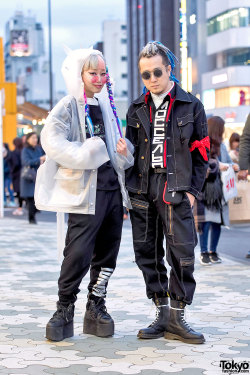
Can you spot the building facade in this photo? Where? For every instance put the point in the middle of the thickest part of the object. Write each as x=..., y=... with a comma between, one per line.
x=150, y=20
x=115, y=52
x=219, y=45
x=25, y=61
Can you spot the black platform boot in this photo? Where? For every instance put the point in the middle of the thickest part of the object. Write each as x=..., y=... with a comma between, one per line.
x=61, y=325
x=178, y=328
x=159, y=325
x=97, y=321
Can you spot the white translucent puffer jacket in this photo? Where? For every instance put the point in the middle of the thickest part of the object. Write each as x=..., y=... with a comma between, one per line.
x=67, y=181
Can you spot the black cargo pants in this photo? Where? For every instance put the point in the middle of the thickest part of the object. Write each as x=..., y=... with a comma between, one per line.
x=151, y=218
x=92, y=241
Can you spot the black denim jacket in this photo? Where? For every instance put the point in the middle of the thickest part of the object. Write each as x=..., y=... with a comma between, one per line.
x=186, y=170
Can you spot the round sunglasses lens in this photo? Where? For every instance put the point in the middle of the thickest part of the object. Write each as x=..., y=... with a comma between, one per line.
x=145, y=75
x=158, y=73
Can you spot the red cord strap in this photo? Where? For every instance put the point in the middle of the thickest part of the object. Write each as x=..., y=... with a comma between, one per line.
x=201, y=145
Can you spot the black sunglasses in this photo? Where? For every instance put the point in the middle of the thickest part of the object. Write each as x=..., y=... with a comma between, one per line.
x=147, y=75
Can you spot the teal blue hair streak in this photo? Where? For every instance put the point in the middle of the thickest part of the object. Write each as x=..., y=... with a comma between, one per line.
x=171, y=58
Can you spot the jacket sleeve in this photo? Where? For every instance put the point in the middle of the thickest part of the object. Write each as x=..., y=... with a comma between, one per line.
x=90, y=154
x=129, y=131
x=199, y=164
x=244, y=156
x=126, y=162
x=27, y=160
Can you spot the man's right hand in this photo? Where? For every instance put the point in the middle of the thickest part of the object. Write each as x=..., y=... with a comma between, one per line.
x=242, y=175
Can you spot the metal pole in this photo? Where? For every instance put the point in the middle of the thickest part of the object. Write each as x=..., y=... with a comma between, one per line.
x=1, y=154
x=50, y=57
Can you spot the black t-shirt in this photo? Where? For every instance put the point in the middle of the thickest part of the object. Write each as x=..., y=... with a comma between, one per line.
x=106, y=177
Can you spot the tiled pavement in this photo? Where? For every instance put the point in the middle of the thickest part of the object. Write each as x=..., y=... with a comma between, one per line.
x=28, y=291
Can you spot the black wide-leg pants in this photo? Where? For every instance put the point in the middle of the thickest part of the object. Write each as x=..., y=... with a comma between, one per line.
x=151, y=218
x=92, y=241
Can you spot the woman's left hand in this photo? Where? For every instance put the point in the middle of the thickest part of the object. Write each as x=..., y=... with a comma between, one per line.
x=121, y=147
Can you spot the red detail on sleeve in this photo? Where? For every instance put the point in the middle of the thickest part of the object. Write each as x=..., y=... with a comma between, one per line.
x=201, y=145
x=164, y=193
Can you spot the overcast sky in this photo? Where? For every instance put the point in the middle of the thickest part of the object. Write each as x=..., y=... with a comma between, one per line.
x=76, y=23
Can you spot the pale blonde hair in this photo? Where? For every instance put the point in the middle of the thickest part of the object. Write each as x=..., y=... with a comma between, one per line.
x=91, y=62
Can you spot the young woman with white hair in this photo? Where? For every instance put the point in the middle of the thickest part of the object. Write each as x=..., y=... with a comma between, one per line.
x=87, y=156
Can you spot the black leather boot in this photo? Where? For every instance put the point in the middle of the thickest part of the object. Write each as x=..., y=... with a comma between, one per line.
x=97, y=321
x=61, y=325
x=178, y=328
x=159, y=325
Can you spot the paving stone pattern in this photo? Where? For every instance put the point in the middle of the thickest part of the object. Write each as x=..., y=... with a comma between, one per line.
x=29, y=271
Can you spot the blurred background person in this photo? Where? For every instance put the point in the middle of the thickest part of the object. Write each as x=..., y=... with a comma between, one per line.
x=213, y=209
x=244, y=156
x=7, y=178
x=244, y=151
x=32, y=156
x=24, y=139
x=15, y=165
x=234, y=142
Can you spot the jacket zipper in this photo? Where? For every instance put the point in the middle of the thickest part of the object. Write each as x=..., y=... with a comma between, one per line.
x=165, y=154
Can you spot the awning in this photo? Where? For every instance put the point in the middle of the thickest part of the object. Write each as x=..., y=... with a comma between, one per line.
x=31, y=112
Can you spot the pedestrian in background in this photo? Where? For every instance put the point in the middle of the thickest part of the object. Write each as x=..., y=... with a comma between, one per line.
x=7, y=178
x=32, y=156
x=244, y=156
x=15, y=171
x=234, y=142
x=213, y=209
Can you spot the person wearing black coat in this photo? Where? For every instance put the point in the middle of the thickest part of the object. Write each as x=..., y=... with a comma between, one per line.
x=32, y=156
x=7, y=177
x=15, y=166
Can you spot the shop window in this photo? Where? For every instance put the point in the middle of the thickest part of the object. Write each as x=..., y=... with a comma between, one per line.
x=239, y=17
x=232, y=97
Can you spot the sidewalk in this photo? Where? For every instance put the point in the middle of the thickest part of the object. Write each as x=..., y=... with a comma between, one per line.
x=28, y=288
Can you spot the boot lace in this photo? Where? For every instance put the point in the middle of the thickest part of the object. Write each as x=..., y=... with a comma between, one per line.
x=184, y=320
x=64, y=312
x=156, y=317
x=99, y=308
x=103, y=310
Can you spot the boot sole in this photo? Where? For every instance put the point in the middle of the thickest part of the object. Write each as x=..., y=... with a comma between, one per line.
x=100, y=330
x=148, y=336
x=60, y=333
x=172, y=336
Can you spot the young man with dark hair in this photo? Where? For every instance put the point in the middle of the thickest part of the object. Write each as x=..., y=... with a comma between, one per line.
x=168, y=129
